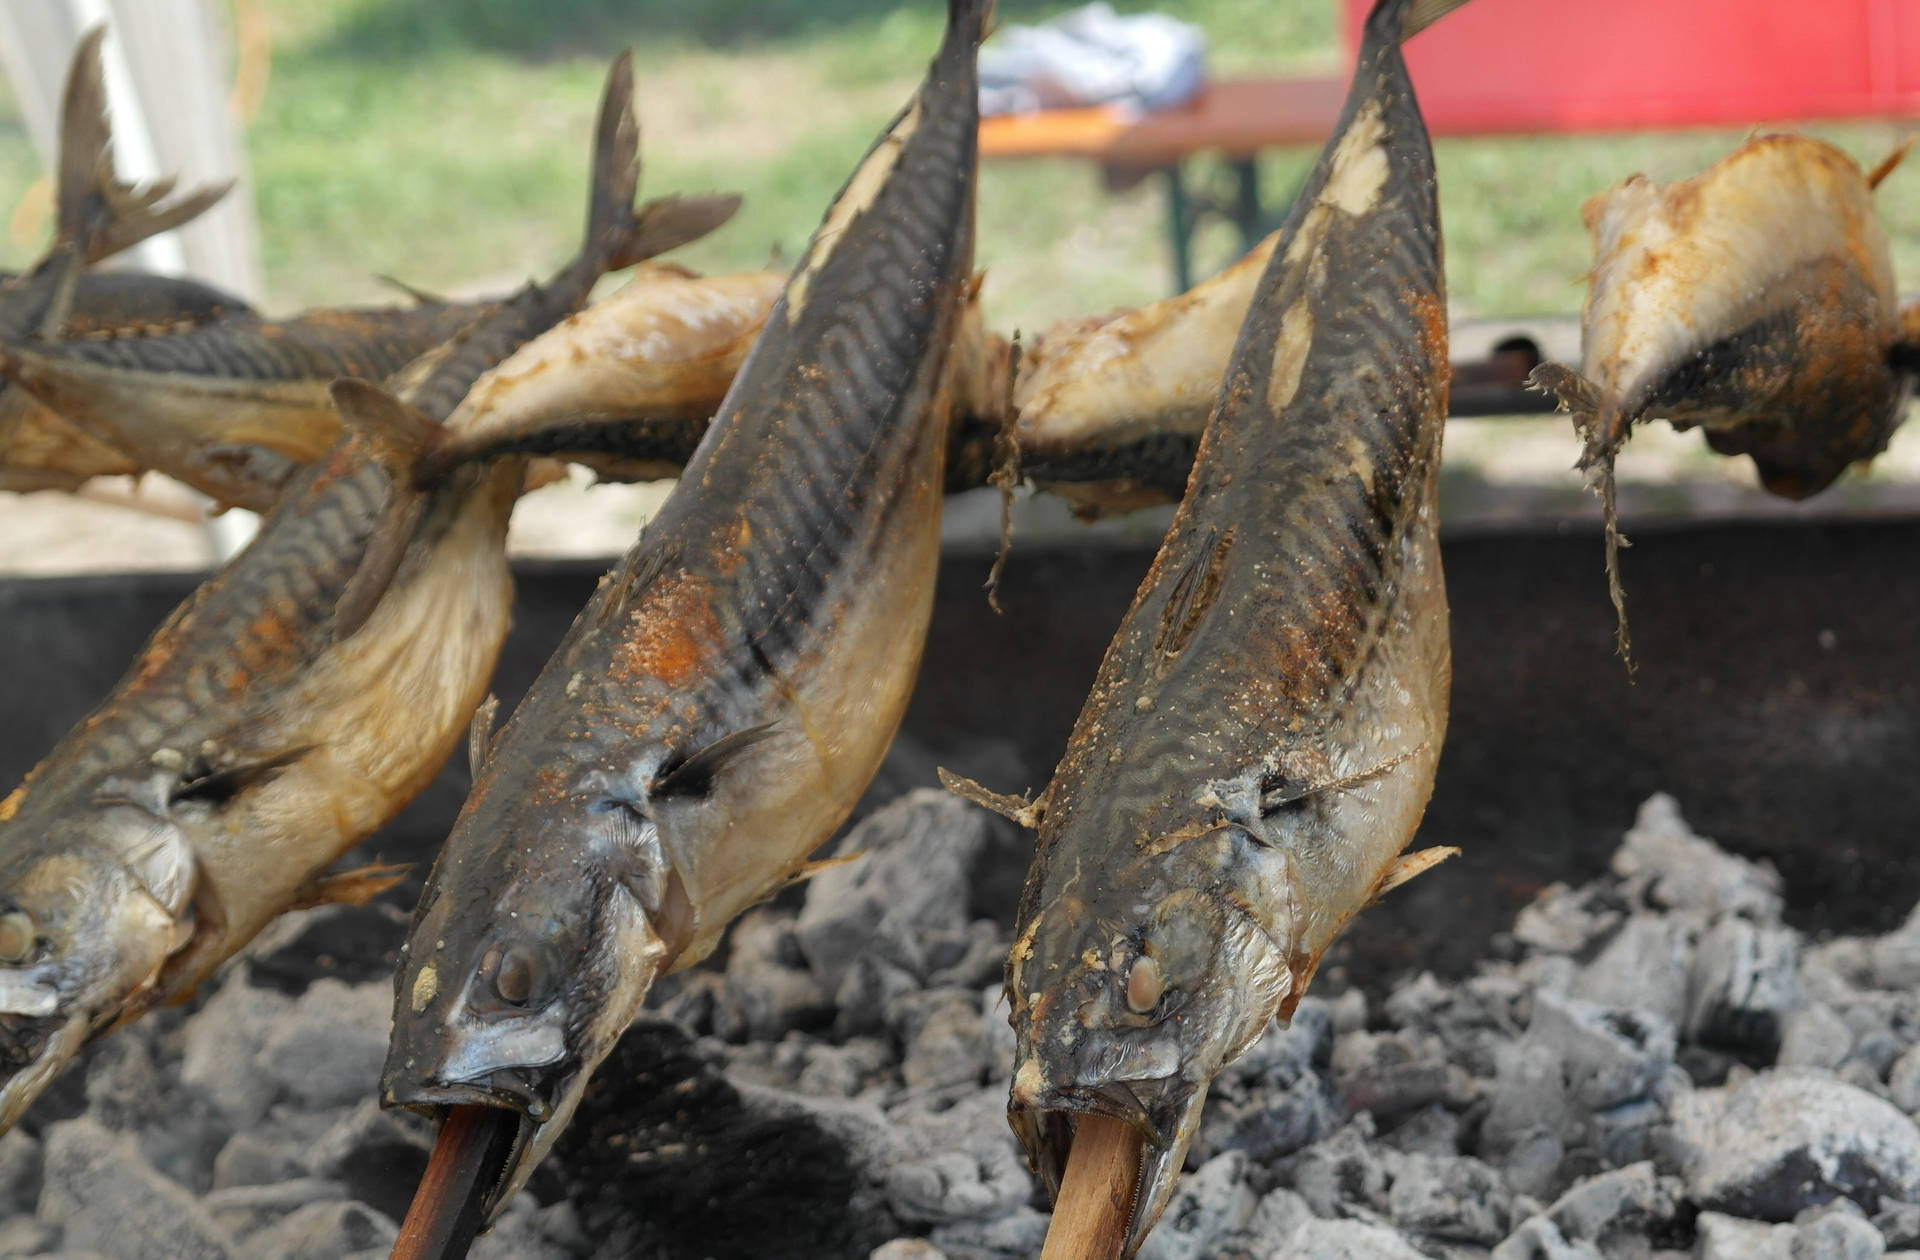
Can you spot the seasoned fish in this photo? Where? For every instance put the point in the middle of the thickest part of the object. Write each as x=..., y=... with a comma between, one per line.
x=723, y=700
x=1755, y=300
x=1261, y=738
x=96, y=216
x=293, y=704
x=234, y=406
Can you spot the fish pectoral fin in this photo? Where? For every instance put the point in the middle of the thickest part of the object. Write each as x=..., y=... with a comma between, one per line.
x=218, y=784
x=1408, y=865
x=1887, y=163
x=1016, y=809
x=480, y=734
x=399, y=439
x=808, y=870
x=351, y=888
x=694, y=776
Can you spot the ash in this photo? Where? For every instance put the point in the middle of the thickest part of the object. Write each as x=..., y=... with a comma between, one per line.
x=1654, y=1065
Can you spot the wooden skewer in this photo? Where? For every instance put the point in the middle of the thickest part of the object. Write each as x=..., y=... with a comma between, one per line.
x=1096, y=1194
x=445, y=1215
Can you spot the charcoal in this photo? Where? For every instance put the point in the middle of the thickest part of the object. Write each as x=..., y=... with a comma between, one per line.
x=28, y=1236
x=768, y=989
x=247, y=1160
x=323, y=1229
x=221, y=1045
x=1898, y=1223
x=1565, y=920
x=1015, y=1236
x=378, y=1155
x=1538, y=1238
x=1317, y=1239
x=1453, y=1199
x=1788, y=1139
x=1633, y=1200
x=1209, y=1204
x=1344, y=1171
x=915, y=863
x=1665, y=865
x=327, y=1050
x=1723, y=1237
x=106, y=1199
x=1893, y=960
x=941, y=1030
x=1836, y=1231
x=244, y=1209
x=907, y=1249
x=1741, y=987
x=1643, y=966
x=20, y=1162
x=1607, y=1057
x=1813, y=1036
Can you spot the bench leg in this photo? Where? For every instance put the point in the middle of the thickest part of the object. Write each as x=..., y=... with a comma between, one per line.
x=1247, y=214
x=1179, y=229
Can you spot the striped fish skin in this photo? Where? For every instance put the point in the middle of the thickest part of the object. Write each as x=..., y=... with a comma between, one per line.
x=1261, y=738
x=251, y=743
x=232, y=405
x=721, y=703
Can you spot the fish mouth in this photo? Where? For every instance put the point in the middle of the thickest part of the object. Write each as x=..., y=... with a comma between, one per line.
x=1165, y=1111
x=34, y=1049
x=519, y=1094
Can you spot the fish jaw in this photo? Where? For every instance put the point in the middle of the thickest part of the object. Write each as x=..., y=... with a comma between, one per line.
x=85, y=933
x=1165, y=1112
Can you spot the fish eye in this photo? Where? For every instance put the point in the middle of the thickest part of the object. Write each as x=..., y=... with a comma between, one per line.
x=521, y=975
x=1145, y=984
x=16, y=937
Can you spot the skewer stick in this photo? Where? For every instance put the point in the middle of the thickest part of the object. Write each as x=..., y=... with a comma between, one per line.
x=445, y=1215
x=1096, y=1194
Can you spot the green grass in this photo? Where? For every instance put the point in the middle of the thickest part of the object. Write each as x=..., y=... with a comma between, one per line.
x=444, y=141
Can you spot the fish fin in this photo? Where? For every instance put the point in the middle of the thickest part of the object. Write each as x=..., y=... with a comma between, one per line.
x=399, y=439
x=667, y=223
x=480, y=734
x=808, y=870
x=98, y=215
x=1603, y=425
x=1888, y=162
x=351, y=888
x=1284, y=793
x=1424, y=13
x=1017, y=809
x=1408, y=865
x=695, y=775
x=420, y=296
x=219, y=784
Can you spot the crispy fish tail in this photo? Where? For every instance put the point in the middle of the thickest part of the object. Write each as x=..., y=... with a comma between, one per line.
x=1601, y=423
x=98, y=215
x=1417, y=16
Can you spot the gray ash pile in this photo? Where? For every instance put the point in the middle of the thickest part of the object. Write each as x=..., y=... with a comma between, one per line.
x=1652, y=1065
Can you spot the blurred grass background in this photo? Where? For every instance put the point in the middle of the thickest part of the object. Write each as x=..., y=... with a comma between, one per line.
x=444, y=142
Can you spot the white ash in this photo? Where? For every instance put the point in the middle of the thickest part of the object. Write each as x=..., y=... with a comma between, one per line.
x=1657, y=1067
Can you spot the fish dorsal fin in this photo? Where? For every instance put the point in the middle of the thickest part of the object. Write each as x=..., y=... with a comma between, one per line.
x=351, y=888
x=694, y=776
x=1193, y=594
x=1887, y=163
x=1017, y=809
x=480, y=734
x=1408, y=865
x=398, y=438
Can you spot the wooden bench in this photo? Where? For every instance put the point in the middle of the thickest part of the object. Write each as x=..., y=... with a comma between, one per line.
x=1235, y=118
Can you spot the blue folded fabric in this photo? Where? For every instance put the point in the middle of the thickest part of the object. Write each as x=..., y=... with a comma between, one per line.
x=1092, y=56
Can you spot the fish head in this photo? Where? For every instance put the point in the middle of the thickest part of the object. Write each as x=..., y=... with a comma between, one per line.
x=93, y=901
x=528, y=958
x=1129, y=995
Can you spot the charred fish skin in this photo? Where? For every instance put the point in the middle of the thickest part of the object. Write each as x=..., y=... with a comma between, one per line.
x=251, y=743
x=722, y=701
x=1261, y=738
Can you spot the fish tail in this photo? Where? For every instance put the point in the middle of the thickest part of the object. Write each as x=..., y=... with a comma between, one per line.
x=1602, y=424
x=97, y=215
x=399, y=439
x=967, y=24
x=617, y=235
x=1396, y=21
x=1888, y=162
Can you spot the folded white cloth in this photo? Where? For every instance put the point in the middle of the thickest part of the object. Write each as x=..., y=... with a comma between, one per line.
x=1092, y=56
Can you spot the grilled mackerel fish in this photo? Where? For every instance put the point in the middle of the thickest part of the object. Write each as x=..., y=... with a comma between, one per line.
x=95, y=217
x=292, y=705
x=725, y=697
x=1260, y=740
x=1755, y=301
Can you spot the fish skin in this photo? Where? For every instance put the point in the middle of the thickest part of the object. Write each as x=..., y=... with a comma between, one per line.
x=1755, y=301
x=250, y=744
x=1261, y=738
x=233, y=406
x=720, y=704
